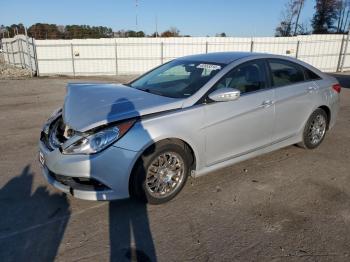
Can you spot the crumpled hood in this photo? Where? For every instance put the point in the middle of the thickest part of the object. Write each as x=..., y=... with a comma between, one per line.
x=87, y=106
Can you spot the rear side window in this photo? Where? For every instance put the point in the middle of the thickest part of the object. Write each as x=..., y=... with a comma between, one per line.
x=311, y=75
x=285, y=73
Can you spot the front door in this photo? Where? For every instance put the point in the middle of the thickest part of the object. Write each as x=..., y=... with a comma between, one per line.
x=241, y=126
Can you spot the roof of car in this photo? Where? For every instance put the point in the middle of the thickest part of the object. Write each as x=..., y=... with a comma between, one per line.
x=219, y=57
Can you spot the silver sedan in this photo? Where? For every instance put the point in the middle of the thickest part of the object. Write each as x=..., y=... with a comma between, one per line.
x=190, y=116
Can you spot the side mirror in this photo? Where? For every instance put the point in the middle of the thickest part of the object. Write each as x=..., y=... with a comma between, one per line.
x=225, y=94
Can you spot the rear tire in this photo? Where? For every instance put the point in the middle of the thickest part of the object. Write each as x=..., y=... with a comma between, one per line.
x=315, y=129
x=161, y=172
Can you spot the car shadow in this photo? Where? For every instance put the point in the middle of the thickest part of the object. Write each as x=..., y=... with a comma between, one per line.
x=129, y=230
x=31, y=224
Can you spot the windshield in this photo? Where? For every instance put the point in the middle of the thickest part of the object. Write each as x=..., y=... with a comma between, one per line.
x=178, y=78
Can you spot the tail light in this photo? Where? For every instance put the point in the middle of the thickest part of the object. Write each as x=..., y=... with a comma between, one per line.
x=336, y=88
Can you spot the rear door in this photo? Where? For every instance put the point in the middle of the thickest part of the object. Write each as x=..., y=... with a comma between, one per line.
x=293, y=98
x=241, y=126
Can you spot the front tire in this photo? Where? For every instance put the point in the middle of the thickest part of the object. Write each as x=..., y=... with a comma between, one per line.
x=161, y=172
x=315, y=129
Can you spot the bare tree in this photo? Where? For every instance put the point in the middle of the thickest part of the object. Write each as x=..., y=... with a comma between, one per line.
x=172, y=32
x=290, y=18
x=300, y=4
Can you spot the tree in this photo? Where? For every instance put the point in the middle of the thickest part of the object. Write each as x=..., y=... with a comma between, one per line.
x=86, y=31
x=299, y=4
x=223, y=34
x=292, y=10
x=325, y=16
x=155, y=34
x=171, y=32
x=44, y=31
x=12, y=30
x=303, y=28
x=140, y=34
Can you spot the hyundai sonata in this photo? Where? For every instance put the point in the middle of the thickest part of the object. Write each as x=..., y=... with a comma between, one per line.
x=190, y=116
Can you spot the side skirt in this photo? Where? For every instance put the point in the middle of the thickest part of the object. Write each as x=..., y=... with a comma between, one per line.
x=259, y=151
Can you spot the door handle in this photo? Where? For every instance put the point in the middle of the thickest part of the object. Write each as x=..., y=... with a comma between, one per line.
x=311, y=89
x=267, y=103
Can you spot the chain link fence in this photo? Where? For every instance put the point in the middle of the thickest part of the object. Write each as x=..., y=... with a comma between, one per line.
x=120, y=56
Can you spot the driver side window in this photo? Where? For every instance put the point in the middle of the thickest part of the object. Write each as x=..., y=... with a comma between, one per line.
x=248, y=77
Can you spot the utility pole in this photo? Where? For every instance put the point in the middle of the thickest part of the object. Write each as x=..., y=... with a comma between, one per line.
x=136, y=5
x=156, y=20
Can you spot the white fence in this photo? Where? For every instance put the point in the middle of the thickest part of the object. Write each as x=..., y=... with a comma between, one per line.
x=117, y=56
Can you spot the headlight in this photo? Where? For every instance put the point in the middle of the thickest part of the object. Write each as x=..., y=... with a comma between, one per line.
x=55, y=114
x=97, y=142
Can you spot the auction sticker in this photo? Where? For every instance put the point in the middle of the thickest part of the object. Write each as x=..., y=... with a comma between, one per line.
x=209, y=66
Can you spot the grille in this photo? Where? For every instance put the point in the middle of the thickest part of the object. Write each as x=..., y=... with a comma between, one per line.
x=80, y=183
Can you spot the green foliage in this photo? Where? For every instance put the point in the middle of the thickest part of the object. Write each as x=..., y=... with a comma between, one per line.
x=223, y=34
x=12, y=30
x=86, y=31
x=326, y=14
x=53, y=31
x=44, y=31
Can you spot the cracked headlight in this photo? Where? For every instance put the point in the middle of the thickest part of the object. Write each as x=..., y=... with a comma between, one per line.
x=95, y=143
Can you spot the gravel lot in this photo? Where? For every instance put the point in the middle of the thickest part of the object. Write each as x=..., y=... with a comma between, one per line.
x=289, y=205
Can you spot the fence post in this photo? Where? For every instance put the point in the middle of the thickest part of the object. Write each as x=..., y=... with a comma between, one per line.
x=29, y=56
x=297, y=49
x=340, y=53
x=13, y=55
x=35, y=57
x=22, y=53
x=19, y=52
x=116, y=56
x=161, y=53
x=251, y=45
x=206, y=47
x=345, y=51
x=72, y=55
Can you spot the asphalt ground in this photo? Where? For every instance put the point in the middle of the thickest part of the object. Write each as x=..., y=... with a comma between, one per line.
x=288, y=205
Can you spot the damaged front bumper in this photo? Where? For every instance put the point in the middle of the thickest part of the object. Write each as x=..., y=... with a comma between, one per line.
x=101, y=176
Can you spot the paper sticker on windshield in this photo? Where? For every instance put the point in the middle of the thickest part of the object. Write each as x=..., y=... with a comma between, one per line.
x=209, y=66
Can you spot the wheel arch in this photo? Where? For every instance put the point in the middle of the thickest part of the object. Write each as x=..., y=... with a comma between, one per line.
x=328, y=113
x=150, y=147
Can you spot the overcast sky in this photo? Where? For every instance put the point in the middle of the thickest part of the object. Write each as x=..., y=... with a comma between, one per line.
x=193, y=17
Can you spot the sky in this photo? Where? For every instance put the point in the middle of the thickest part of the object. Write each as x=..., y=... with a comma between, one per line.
x=191, y=17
